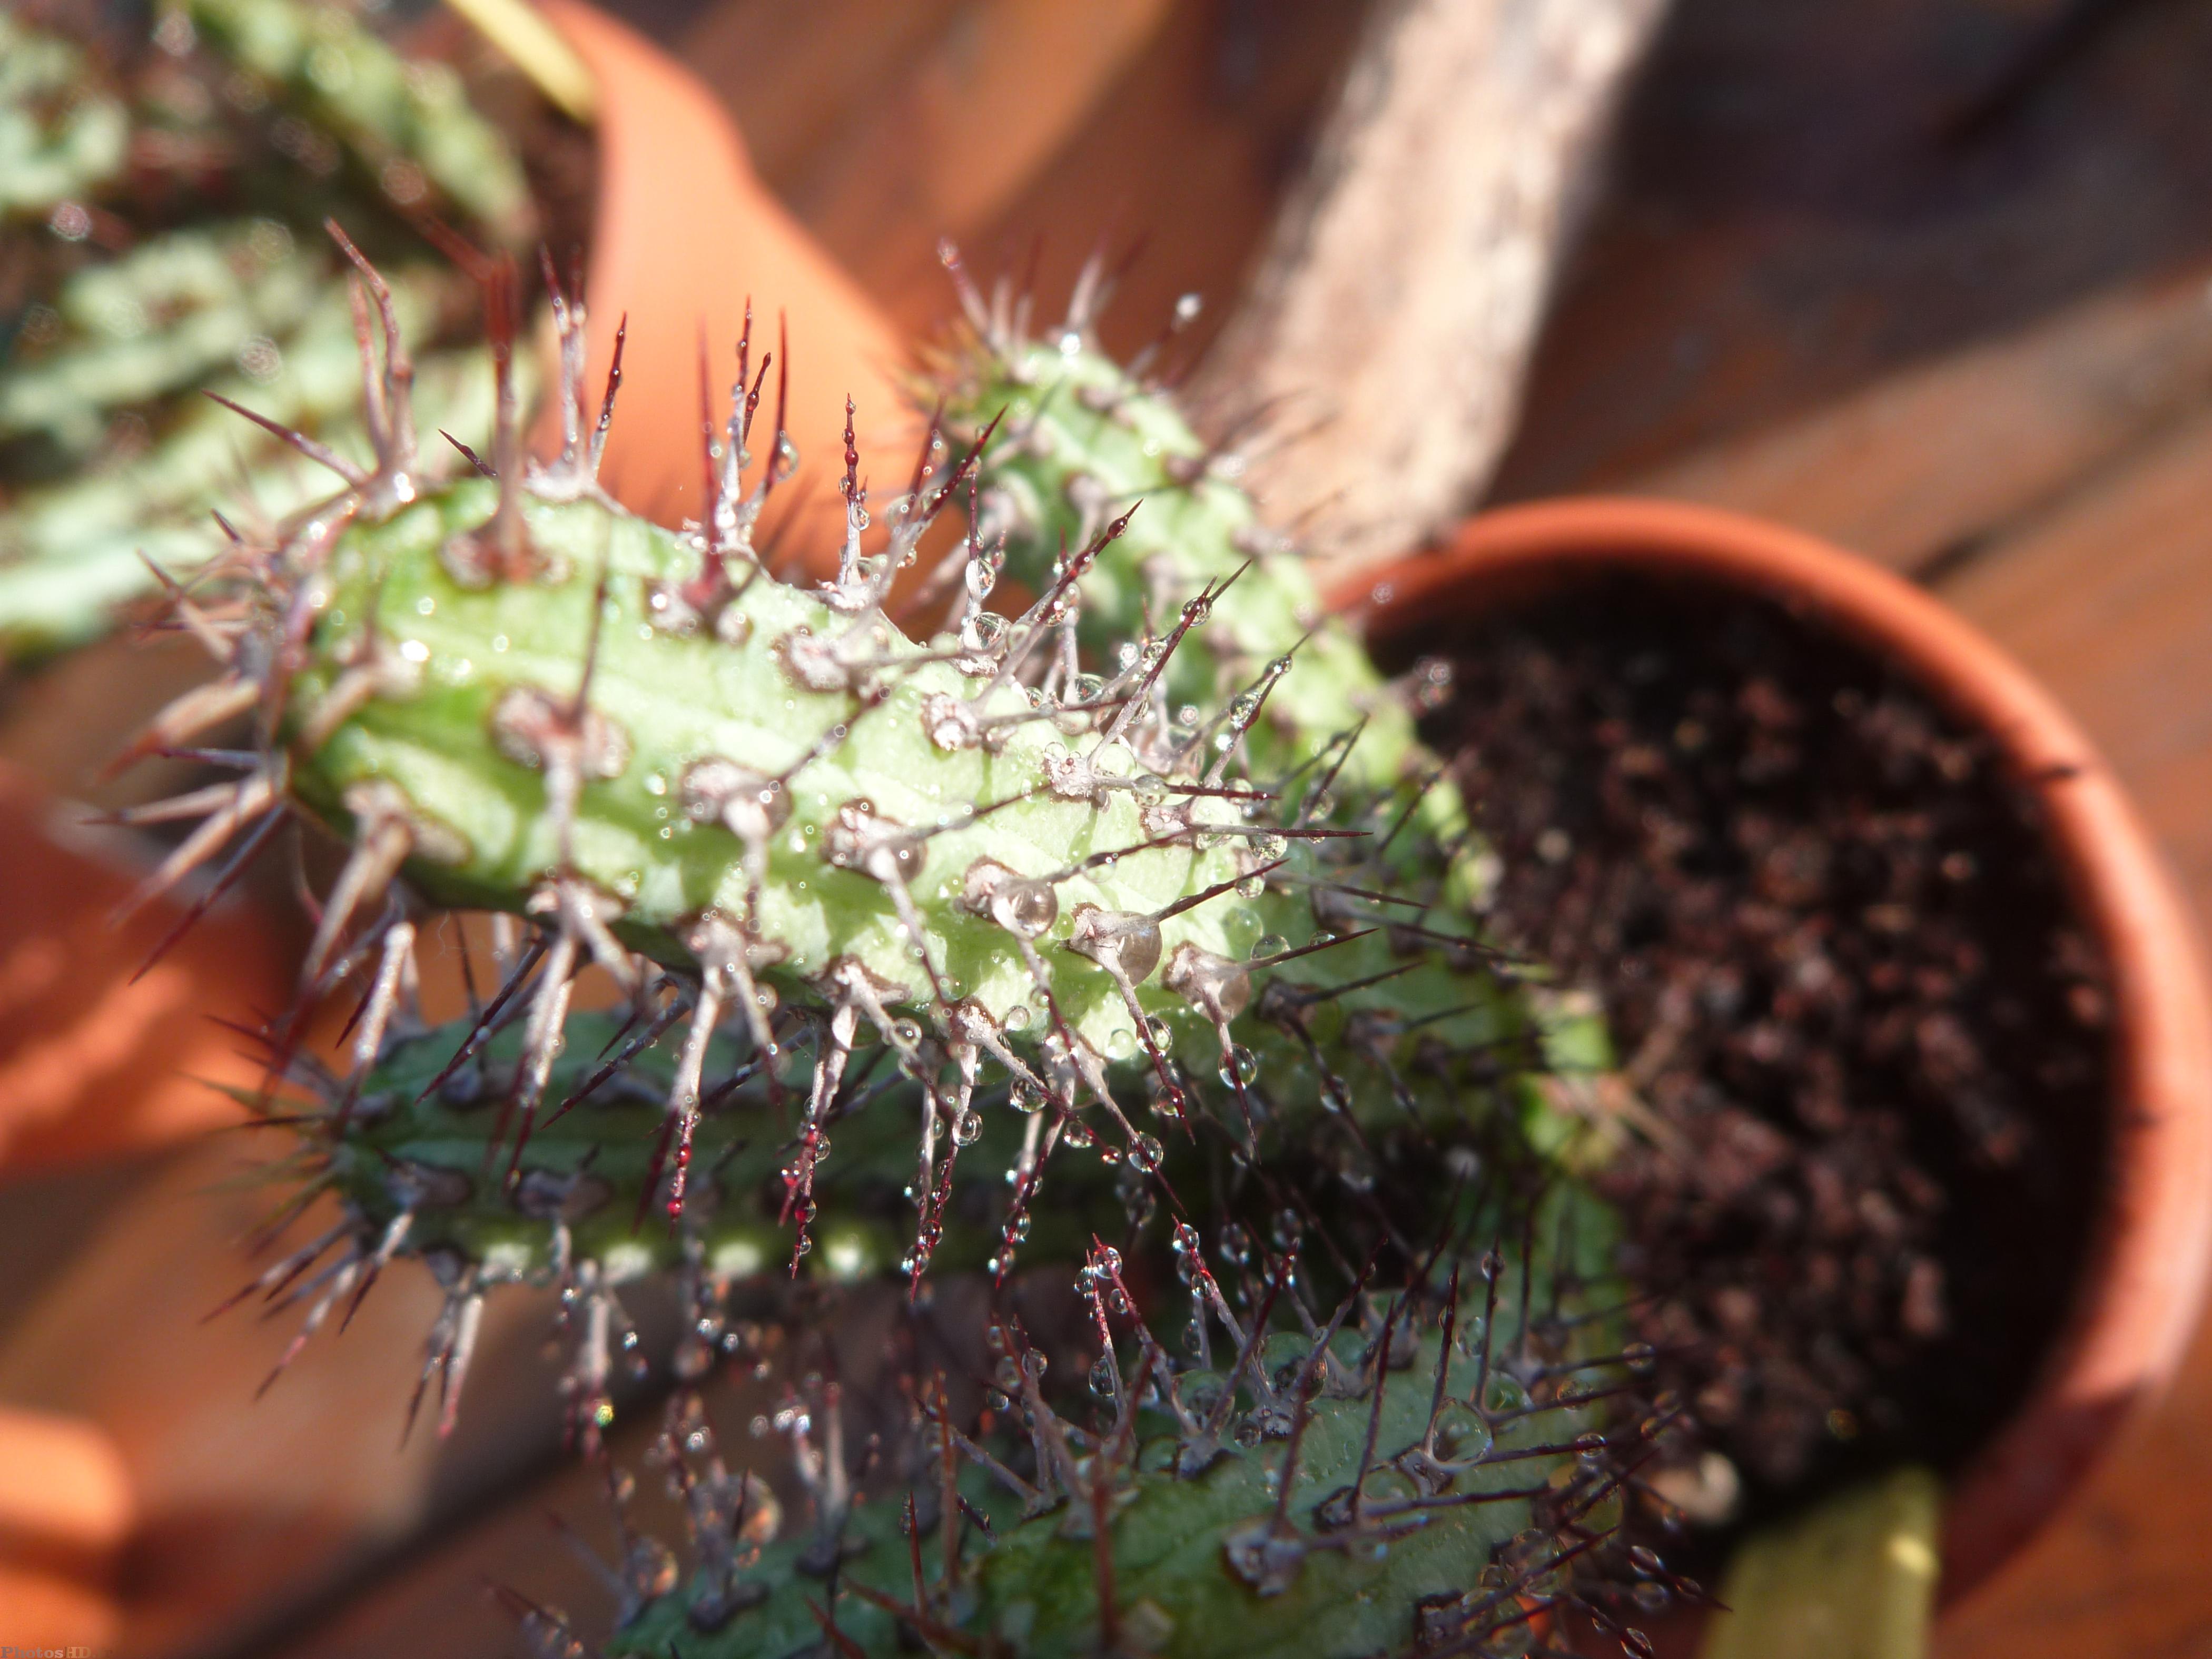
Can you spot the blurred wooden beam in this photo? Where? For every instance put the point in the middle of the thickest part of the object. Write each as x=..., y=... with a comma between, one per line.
x=1925, y=465
x=1383, y=341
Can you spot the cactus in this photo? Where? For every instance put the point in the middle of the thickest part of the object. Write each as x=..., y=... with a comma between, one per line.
x=388, y=113
x=872, y=856
x=287, y=112
x=1442, y=1470
x=530, y=701
x=1076, y=439
x=401, y=1146
x=930, y=895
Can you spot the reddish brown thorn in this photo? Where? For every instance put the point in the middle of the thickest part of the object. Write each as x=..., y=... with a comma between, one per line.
x=217, y=889
x=489, y=1021
x=321, y=454
x=844, y=1644
x=710, y=508
x=607, y=400
x=1191, y=901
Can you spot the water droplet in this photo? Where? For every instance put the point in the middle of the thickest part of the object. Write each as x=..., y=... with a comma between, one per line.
x=1025, y=907
x=1236, y=1245
x=1145, y=1152
x=967, y=1128
x=1268, y=945
x=1016, y=1018
x=1460, y=1435
x=1502, y=1393
x=1101, y=1378
x=1025, y=1100
x=1239, y=1066
x=1122, y=1042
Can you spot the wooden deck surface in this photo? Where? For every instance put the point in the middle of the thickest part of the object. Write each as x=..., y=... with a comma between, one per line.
x=1826, y=279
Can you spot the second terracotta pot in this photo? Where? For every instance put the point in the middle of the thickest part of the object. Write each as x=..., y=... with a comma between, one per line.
x=2135, y=1302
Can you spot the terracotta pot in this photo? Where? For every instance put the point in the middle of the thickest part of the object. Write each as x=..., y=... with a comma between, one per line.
x=2141, y=1286
x=685, y=236
x=99, y=1056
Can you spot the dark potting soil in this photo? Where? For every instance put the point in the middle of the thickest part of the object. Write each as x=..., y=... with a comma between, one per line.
x=1843, y=975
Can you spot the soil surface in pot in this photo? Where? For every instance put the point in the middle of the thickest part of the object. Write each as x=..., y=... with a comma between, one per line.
x=1843, y=976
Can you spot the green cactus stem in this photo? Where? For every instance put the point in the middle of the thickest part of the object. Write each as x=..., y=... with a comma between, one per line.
x=532, y=702
x=75, y=553
x=877, y=888
x=386, y=111
x=1076, y=439
x=1438, y=1471
x=401, y=1148
x=162, y=318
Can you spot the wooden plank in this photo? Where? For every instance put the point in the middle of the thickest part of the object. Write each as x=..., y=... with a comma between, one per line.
x=1786, y=226
x=436, y=1602
x=248, y=1508
x=1926, y=462
x=885, y=126
x=2109, y=601
x=2121, y=1573
x=1181, y=160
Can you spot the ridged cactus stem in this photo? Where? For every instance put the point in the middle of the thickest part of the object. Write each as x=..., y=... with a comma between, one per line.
x=526, y=699
x=386, y=110
x=1079, y=439
x=61, y=135
x=1439, y=1471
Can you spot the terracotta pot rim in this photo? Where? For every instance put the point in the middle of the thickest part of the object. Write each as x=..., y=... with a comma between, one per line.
x=2135, y=1302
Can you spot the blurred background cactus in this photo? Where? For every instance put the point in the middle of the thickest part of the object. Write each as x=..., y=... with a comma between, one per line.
x=163, y=213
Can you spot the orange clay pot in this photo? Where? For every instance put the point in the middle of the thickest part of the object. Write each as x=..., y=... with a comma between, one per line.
x=97, y=1057
x=2141, y=1286
x=685, y=237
